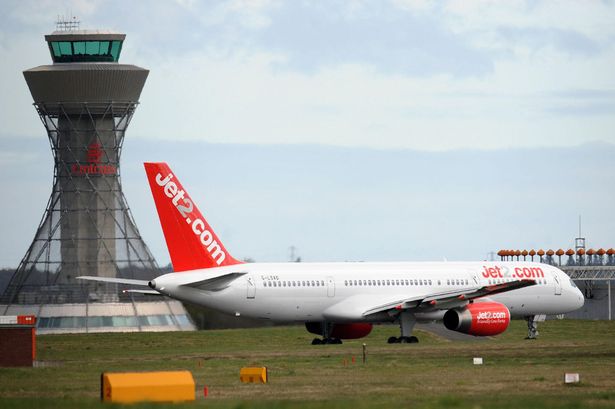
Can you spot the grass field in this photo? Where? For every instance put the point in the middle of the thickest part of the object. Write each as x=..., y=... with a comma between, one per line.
x=434, y=373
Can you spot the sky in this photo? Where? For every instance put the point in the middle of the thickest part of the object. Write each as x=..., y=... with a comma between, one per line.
x=339, y=102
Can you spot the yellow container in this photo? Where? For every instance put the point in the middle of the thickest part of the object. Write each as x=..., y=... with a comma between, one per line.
x=125, y=387
x=253, y=375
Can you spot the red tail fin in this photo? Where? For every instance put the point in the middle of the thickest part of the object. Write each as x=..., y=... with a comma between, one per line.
x=191, y=241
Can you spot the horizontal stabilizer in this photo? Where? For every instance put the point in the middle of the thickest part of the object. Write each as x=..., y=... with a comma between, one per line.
x=114, y=280
x=145, y=292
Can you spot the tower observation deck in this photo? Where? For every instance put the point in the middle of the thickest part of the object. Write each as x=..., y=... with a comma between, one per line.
x=85, y=100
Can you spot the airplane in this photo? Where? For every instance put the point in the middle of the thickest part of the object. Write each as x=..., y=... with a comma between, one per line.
x=343, y=300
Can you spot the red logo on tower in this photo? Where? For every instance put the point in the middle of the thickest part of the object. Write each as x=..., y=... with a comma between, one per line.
x=94, y=155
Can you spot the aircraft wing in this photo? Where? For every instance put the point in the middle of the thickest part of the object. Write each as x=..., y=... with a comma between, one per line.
x=449, y=299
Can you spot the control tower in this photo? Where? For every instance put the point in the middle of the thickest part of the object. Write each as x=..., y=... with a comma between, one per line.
x=86, y=100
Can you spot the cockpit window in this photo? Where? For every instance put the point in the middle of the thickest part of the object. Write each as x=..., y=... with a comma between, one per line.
x=573, y=284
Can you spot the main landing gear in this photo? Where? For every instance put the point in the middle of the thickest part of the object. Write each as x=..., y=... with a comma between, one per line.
x=403, y=340
x=407, y=321
x=532, y=327
x=326, y=341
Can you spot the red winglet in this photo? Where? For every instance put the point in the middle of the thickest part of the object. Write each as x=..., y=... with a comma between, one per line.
x=191, y=241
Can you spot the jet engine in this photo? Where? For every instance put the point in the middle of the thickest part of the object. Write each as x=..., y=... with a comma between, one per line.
x=341, y=331
x=480, y=319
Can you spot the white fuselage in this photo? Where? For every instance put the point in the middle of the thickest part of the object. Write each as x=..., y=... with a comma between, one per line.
x=342, y=292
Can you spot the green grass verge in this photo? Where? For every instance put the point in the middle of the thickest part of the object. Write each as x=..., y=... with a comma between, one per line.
x=434, y=373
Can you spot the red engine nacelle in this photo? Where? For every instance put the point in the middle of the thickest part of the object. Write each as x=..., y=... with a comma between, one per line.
x=341, y=331
x=481, y=319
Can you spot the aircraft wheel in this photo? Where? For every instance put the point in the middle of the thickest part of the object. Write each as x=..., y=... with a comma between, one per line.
x=317, y=341
x=337, y=341
x=393, y=340
x=413, y=340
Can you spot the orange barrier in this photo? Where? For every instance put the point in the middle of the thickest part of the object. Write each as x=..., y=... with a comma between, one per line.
x=253, y=375
x=126, y=387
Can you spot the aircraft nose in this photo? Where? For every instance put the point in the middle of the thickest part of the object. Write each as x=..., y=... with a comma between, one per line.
x=580, y=299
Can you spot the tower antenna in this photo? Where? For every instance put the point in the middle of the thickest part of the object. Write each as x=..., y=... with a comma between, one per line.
x=67, y=23
x=579, y=242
